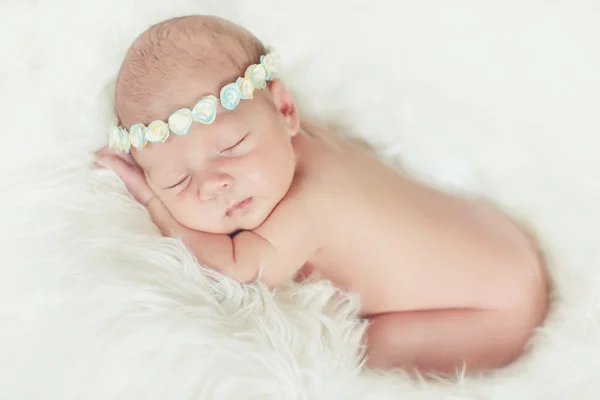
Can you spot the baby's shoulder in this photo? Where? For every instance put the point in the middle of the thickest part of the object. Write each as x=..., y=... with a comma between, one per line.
x=333, y=162
x=324, y=177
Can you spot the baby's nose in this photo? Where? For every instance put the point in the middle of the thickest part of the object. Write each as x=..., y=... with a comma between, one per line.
x=214, y=185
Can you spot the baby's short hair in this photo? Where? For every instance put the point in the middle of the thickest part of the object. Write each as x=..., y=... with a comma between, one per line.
x=174, y=55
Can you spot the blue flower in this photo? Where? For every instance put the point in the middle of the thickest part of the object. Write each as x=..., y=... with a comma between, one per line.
x=230, y=96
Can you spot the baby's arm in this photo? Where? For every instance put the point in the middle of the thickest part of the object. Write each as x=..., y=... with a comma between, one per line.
x=275, y=251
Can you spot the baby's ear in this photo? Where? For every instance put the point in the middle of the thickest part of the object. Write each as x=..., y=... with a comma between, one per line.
x=284, y=102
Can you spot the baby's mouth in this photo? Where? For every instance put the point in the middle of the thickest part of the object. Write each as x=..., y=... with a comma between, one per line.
x=239, y=208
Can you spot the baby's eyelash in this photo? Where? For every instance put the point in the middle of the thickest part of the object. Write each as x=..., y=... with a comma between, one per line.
x=177, y=184
x=230, y=148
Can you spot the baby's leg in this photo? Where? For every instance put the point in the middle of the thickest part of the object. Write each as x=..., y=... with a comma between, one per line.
x=442, y=341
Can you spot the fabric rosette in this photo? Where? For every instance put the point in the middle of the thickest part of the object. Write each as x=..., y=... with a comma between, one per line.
x=114, y=138
x=255, y=77
x=205, y=111
x=124, y=143
x=180, y=121
x=137, y=136
x=271, y=62
x=230, y=96
x=258, y=75
x=246, y=87
x=157, y=132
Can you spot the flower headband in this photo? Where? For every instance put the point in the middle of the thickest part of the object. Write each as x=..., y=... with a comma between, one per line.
x=205, y=111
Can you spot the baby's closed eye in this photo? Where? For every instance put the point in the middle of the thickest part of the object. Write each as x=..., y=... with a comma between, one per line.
x=238, y=145
x=181, y=183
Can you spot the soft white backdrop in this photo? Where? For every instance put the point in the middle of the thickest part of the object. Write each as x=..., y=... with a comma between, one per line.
x=497, y=98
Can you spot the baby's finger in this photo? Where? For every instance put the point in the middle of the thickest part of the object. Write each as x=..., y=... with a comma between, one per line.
x=108, y=152
x=105, y=152
x=127, y=158
x=126, y=172
x=132, y=177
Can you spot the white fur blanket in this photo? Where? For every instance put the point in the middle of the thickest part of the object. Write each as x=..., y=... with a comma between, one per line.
x=498, y=98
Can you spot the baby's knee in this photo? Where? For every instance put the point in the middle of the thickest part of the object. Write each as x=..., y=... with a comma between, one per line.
x=524, y=309
x=536, y=293
x=530, y=312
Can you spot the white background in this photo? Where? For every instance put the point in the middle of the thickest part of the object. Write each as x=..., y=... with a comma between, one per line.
x=496, y=98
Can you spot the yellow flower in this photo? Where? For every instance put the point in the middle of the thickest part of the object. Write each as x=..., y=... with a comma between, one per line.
x=157, y=132
x=247, y=87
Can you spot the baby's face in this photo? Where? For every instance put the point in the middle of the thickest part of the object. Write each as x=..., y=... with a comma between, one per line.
x=229, y=175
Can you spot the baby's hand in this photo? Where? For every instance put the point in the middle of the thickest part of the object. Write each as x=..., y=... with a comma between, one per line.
x=131, y=175
x=135, y=182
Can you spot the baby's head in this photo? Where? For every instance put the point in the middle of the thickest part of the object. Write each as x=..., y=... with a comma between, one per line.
x=218, y=177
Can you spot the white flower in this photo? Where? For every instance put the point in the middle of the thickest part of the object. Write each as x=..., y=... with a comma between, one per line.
x=276, y=63
x=258, y=75
x=205, y=111
x=180, y=121
x=247, y=87
x=114, y=138
x=137, y=135
x=125, y=144
x=268, y=63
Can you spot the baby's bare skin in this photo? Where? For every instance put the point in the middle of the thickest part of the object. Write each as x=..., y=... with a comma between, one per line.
x=418, y=239
x=443, y=280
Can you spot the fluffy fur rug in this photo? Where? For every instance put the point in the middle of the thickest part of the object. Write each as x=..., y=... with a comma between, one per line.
x=495, y=98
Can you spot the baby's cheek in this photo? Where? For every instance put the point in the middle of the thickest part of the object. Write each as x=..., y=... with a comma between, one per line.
x=198, y=219
x=268, y=179
x=182, y=209
x=178, y=212
x=252, y=171
x=268, y=171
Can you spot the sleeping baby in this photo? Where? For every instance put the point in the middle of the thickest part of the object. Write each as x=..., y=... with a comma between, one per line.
x=210, y=141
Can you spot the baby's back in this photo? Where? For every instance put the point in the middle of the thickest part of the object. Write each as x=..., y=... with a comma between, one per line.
x=380, y=232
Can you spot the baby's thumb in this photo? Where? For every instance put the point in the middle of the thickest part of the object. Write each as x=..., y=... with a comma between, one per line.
x=112, y=162
x=100, y=165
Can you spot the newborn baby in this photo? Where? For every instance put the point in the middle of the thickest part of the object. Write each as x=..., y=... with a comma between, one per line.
x=210, y=141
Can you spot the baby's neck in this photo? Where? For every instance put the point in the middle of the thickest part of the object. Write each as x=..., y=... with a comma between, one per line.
x=302, y=143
